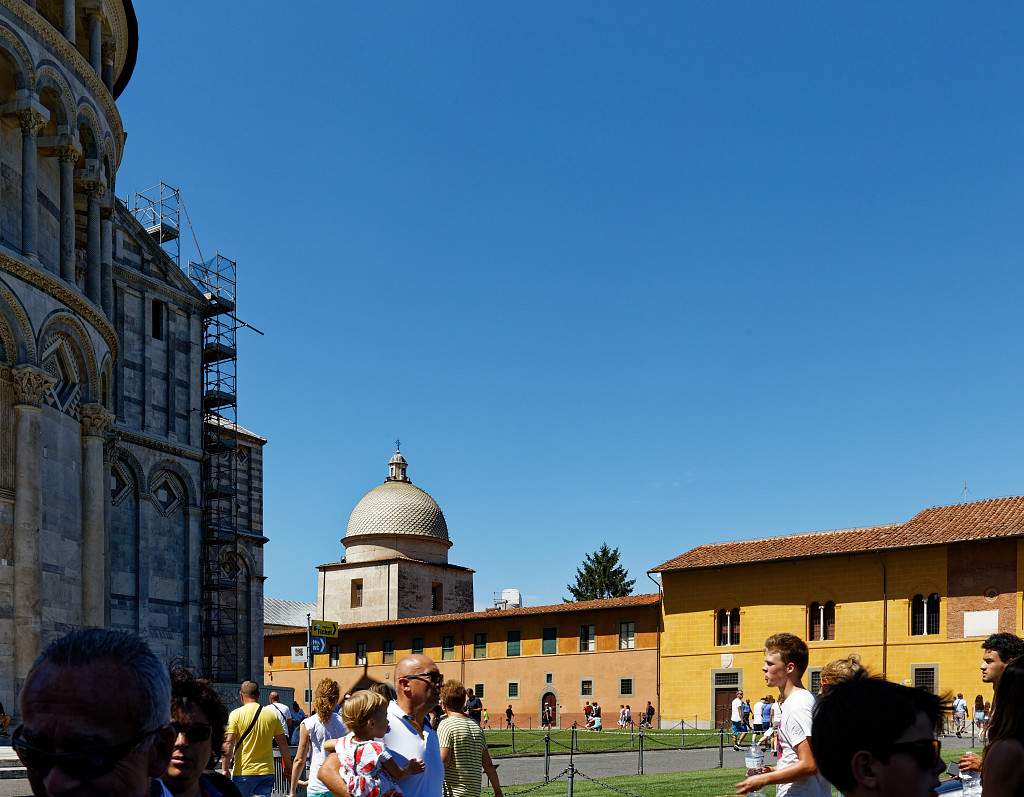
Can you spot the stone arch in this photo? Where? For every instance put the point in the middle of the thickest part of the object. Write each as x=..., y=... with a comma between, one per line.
x=49, y=76
x=106, y=395
x=130, y=462
x=66, y=325
x=24, y=343
x=15, y=48
x=8, y=348
x=88, y=122
x=177, y=470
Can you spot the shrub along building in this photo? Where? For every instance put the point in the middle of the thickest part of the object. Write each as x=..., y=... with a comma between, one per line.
x=395, y=593
x=914, y=599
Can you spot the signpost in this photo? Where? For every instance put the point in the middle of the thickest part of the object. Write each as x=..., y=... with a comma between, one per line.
x=309, y=670
x=324, y=628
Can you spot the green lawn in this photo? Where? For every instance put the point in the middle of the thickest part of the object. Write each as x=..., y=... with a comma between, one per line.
x=526, y=742
x=706, y=783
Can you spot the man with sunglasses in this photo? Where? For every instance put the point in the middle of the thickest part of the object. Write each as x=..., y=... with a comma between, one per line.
x=72, y=741
x=418, y=683
x=874, y=738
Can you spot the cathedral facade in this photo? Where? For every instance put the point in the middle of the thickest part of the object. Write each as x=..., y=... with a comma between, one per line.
x=101, y=357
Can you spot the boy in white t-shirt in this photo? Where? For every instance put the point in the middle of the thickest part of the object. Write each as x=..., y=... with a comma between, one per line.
x=785, y=659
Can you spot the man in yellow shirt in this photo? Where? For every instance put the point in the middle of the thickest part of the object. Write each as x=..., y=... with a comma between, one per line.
x=249, y=738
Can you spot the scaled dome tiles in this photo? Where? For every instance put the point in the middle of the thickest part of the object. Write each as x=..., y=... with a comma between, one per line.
x=397, y=507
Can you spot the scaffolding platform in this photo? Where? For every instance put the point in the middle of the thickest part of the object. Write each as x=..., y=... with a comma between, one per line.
x=218, y=352
x=217, y=399
x=162, y=232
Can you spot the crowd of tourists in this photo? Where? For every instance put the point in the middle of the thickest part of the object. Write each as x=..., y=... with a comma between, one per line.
x=422, y=737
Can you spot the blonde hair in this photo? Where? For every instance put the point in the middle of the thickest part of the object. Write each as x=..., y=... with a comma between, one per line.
x=841, y=670
x=325, y=699
x=360, y=708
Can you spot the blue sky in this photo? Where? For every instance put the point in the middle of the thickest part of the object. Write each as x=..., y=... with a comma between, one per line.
x=653, y=274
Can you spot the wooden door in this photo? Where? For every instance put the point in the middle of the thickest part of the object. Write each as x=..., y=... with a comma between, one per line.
x=723, y=706
x=549, y=703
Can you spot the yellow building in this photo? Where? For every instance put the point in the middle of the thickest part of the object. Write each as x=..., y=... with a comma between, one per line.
x=914, y=599
x=562, y=656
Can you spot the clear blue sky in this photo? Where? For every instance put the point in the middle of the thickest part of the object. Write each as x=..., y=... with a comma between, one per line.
x=654, y=274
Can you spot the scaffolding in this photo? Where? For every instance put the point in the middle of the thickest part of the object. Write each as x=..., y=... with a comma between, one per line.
x=159, y=211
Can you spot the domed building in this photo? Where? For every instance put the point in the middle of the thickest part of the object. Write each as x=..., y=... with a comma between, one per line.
x=396, y=558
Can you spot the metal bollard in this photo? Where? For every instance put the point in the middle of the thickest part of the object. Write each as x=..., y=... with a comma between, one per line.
x=721, y=749
x=513, y=737
x=568, y=783
x=640, y=754
x=547, y=757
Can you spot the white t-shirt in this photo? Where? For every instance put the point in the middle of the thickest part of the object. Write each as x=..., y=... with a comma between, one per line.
x=284, y=714
x=959, y=706
x=404, y=742
x=318, y=734
x=736, y=703
x=797, y=711
x=758, y=712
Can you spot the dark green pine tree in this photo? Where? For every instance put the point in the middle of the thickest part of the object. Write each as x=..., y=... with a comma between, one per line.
x=601, y=576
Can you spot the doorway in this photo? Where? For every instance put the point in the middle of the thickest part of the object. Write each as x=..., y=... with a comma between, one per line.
x=549, y=709
x=723, y=706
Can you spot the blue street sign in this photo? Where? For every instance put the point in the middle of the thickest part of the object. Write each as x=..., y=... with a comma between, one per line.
x=318, y=644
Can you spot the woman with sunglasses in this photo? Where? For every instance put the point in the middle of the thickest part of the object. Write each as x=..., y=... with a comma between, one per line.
x=1002, y=772
x=198, y=717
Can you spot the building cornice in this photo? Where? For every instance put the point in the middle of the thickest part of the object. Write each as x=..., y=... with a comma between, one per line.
x=159, y=444
x=60, y=290
x=68, y=53
x=141, y=280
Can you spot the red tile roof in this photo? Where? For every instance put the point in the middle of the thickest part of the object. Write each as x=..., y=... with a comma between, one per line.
x=556, y=608
x=988, y=519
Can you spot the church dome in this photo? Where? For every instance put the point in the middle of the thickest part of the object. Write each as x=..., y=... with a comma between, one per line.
x=397, y=507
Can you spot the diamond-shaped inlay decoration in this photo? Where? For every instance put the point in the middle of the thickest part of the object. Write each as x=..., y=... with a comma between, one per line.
x=119, y=485
x=165, y=496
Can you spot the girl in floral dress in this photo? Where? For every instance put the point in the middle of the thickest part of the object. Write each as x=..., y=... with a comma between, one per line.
x=366, y=765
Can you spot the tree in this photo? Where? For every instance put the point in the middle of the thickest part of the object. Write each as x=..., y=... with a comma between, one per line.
x=601, y=576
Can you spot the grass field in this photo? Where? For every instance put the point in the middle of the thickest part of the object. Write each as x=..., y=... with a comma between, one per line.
x=706, y=783
x=500, y=743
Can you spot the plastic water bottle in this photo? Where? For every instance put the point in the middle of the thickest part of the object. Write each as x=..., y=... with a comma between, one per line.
x=754, y=759
x=971, y=782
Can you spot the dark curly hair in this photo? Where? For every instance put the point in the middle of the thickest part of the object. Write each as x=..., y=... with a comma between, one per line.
x=189, y=692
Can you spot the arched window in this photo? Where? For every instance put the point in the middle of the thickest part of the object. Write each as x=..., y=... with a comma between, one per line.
x=727, y=626
x=822, y=621
x=924, y=614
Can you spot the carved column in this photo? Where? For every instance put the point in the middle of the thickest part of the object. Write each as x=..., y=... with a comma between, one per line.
x=107, y=260
x=93, y=270
x=31, y=121
x=96, y=422
x=108, y=71
x=30, y=386
x=96, y=42
x=68, y=157
x=69, y=20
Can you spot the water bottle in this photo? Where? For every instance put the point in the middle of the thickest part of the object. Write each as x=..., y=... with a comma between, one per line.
x=754, y=759
x=971, y=783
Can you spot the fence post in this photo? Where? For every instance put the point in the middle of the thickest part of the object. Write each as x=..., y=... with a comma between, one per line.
x=547, y=757
x=568, y=783
x=640, y=754
x=574, y=743
x=682, y=734
x=513, y=737
x=721, y=749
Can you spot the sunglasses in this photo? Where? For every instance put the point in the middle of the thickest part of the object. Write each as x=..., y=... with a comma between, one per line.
x=434, y=678
x=196, y=732
x=79, y=764
x=925, y=752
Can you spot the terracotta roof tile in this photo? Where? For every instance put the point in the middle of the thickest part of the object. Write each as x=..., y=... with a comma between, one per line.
x=993, y=517
x=556, y=608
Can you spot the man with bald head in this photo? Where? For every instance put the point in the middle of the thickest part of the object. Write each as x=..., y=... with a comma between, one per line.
x=418, y=683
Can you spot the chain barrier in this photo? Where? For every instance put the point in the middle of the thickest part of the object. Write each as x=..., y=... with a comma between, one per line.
x=607, y=786
x=536, y=786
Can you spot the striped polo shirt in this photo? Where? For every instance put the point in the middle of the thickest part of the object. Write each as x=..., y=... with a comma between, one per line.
x=465, y=739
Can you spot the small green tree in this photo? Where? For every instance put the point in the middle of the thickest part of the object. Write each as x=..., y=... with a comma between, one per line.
x=601, y=576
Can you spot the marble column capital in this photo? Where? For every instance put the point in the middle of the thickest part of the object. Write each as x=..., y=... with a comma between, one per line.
x=96, y=420
x=31, y=384
x=93, y=187
x=33, y=119
x=67, y=152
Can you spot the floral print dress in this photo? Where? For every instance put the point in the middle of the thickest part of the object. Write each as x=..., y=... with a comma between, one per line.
x=362, y=765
